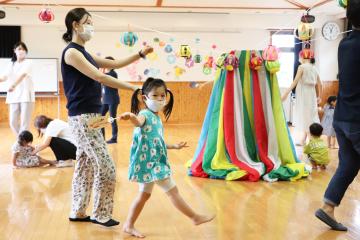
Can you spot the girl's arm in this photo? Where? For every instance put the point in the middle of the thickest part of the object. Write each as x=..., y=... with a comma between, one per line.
x=119, y=63
x=180, y=145
x=14, y=156
x=138, y=121
x=293, y=84
x=74, y=58
x=17, y=82
x=42, y=146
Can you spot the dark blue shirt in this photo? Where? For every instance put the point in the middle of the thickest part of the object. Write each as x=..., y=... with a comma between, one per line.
x=110, y=95
x=83, y=93
x=348, y=100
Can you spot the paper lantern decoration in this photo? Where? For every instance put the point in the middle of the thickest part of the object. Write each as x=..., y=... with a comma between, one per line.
x=272, y=66
x=185, y=51
x=171, y=59
x=197, y=58
x=271, y=53
x=343, y=3
x=168, y=48
x=304, y=31
x=46, y=15
x=231, y=62
x=189, y=62
x=220, y=61
x=129, y=39
x=255, y=62
x=306, y=53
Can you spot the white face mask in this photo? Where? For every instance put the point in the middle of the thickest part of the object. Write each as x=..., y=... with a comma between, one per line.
x=20, y=53
x=155, y=105
x=88, y=32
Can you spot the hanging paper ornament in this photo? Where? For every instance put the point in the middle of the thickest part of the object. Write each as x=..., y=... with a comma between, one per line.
x=156, y=40
x=189, y=62
x=185, y=51
x=270, y=53
x=210, y=61
x=172, y=39
x=171, y=59
x=197, y=58
x=231, y=62
x=221, y=60
x=197, y=40
x=129, y=39
x=343, y=3
x=206, y=69
x=272, y=66
x=46, y=15
x=179, y=71
x=144, y=43
x=153, y=72
x=213, y=46
x=255, y=61
x=304, y=31
x=146, y=71
x=168, y=48
x=307, y=18
x=306, y=53
x=161, y=44
x=152, y=56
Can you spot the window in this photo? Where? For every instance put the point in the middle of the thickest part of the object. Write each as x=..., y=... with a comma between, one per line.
x=284, y=40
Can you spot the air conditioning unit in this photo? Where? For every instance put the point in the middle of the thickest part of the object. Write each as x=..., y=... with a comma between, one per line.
x=2, y=13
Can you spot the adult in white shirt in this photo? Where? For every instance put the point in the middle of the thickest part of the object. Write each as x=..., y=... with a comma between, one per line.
x=58, y=136
x=21, y=93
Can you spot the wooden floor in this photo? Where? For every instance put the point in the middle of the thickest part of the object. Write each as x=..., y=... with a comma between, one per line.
x=34, y=203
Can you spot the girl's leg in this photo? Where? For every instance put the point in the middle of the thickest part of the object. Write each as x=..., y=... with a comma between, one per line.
x=136, y=208
x=329, y=141
x=44, y=161
x=183, y=207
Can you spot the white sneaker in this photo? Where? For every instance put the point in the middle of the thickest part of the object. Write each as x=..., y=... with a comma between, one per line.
x=62, y=163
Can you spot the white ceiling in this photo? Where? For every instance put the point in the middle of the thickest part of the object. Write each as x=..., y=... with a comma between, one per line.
x=326, y=7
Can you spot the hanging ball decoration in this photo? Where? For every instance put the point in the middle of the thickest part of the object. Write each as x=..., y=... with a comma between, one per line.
x=144, y=43
x=179, y=71
x=270, y=53
x=185, y=51
x=272, y=66
x=197, y=40
x=146, y=71
x=343, y=3
x=129, y=39
x=306, y=53
x=255, y=62
x=156, y=40
x=231, y=62
x=210, y=61
x=46, y=15
x=168, y=48
x=172, y=39
x=213, y=46
x=197, y=58
x=171, y=59
x=206, y=69
x=304, y=31
x=161, y=43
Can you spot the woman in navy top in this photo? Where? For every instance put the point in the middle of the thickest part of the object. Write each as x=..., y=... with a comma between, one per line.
x=94, y=170
x=110, y=103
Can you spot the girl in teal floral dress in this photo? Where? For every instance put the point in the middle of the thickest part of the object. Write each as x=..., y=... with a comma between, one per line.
x=148, y=157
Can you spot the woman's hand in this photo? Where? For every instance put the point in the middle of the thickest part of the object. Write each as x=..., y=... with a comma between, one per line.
x=146, y=50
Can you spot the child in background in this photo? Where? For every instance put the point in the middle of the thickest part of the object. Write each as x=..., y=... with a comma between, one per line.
x=22, y=152
x=316, y=150
x=148, y=158
x=327, y=121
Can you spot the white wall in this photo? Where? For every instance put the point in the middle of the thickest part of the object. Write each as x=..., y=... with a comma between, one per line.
x=227, y=31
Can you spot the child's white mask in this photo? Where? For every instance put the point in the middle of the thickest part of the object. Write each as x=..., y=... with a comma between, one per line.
x=155, y=105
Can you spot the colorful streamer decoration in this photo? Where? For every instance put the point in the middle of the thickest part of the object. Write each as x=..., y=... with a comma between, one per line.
x=244, y=134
